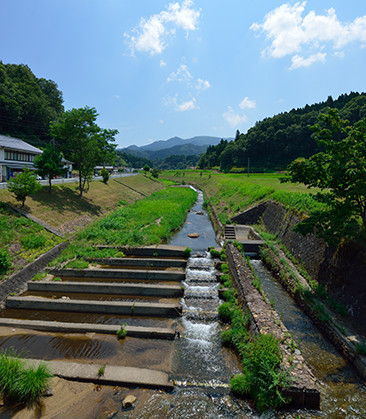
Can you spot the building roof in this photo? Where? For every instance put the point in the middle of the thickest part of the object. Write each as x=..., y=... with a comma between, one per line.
x=17, y=144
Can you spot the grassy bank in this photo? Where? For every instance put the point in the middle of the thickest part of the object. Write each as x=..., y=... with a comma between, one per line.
x=22, y=240
x=63, y=207
x=148, y=221
x=233, y=193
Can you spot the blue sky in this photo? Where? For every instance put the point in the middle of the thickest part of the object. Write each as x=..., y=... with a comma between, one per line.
x=158, y=69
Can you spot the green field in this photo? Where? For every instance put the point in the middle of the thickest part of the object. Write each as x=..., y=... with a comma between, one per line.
x=233, y=193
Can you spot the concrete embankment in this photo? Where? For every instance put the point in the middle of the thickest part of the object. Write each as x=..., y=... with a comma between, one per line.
x=66, y=327
x=112, y=375
x=110, y=307
x=107, y=288
x=156, y=251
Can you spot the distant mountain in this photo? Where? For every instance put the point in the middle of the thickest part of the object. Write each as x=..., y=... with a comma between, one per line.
x=174, y=146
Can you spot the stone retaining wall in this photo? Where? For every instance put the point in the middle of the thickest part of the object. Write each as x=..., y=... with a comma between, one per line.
x=342, y=271
x=303, y=392
x=18, y=281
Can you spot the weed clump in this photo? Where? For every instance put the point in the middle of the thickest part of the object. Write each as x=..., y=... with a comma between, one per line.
x=122, y=332
x=21, y=384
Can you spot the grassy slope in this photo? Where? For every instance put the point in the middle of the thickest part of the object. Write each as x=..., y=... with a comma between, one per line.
x=233, y=193
x=62, y=206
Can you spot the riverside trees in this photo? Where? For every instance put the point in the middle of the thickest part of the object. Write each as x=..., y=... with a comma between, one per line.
x=85, y=143
x=340, y=172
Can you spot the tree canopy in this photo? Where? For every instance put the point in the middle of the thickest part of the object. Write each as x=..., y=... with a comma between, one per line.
x=84, y=142
x=49, y=164
x=27, y=104
x=273, y=143
x=340, y=173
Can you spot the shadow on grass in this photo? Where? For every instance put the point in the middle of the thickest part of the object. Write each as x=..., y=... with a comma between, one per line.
x=66, y=198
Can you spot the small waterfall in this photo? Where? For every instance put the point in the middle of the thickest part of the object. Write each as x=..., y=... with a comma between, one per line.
x=199, y=356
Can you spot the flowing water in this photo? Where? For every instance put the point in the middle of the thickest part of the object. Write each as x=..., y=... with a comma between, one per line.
x=342, y=393
x=197, y=362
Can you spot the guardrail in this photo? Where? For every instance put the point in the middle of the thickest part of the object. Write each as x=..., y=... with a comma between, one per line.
x=3, y=185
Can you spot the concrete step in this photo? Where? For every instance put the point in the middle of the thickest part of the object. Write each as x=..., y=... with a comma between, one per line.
x=158, y=251
x=85, y=306
x=107, y=288
x=113, y=374
x=143, y=262
x=67, y=327
x=120, y=274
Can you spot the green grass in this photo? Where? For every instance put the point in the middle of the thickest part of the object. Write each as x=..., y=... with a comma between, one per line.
x=21, y=240
x=148, y=221
x=233, y=193
x=21, y=384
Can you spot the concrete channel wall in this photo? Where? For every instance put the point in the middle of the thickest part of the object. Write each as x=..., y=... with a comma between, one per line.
x=304, y=391
x=141, y=262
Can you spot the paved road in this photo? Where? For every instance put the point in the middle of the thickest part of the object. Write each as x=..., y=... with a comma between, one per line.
x=3, y=185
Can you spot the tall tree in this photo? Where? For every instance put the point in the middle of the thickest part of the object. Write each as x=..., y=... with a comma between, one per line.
x=86, y=144
x=49, y=164
x=340, y=172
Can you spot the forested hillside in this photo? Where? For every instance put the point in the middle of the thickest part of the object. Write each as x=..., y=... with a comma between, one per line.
x=27, y=104
x=274, y=142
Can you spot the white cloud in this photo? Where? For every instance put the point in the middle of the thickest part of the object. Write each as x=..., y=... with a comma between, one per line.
x=162, y=63
x=181, y=75
x=186, y=106
x=178, y=106
x=291, y=33
x=202, y=84
x=161, y=121
x=233, y=118
x=298, y=61
x=152, y=35
x=246, y=103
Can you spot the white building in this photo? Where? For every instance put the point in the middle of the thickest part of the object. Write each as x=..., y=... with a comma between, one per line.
x=15, y=155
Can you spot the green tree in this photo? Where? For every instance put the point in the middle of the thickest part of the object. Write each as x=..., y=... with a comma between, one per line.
x=146, y=169
x=105, y=175
x=340, y=172
x=155, y=173
x=49, y=164
x=23, y=184
x=86, y=144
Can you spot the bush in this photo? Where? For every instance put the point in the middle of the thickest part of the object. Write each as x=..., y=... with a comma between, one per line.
x=31, y=241
x=5, y=261
x=225, y=311
x=105, y=175
x=261, y=364
x=187, y=252
x=224, y=268
x=214, y=253
x=78, y=264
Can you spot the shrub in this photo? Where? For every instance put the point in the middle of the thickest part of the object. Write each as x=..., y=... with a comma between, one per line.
x=262, y=371
x=361, y=348
x=187, y=252
x=5, y=261
x=105, y=175
x=225, y=311
x=31, y=241
x=224, y=268
x=214, y=253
